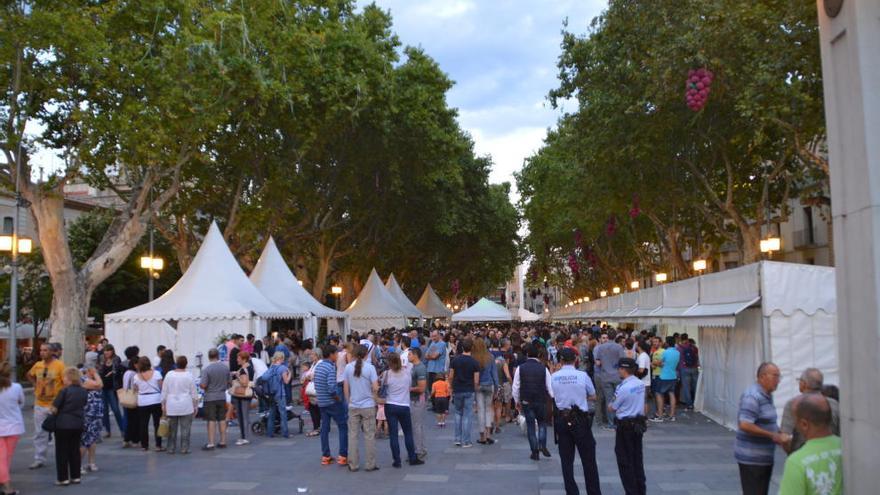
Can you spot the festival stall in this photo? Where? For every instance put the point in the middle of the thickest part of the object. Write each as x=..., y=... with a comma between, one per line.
x=375, y=308
x=213, y=297
x=523, y=314
x=396, y=292
x=274, y=279
x=432, y=306
x=484, y=310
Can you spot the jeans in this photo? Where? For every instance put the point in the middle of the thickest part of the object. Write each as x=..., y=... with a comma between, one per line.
x=111, y=402
x=535, y=412
x=362, y=420
x=400, y=414
x=417, y=410
x=184, y=423
x=689, y=386
x=601, y=402
x=755, y=479
x=7, y=449
x=463, y=415
x=243, y=411
x=485, y=411
x=339, y=415
x=68, y=458
x=277, y=408
x=144, y=414
x=41, y=436
x=609, y=386
x=578, y=437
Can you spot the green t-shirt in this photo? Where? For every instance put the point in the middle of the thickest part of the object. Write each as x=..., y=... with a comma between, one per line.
x=814, y=469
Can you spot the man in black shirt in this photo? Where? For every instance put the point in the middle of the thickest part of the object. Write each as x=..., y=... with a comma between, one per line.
x=464, y=375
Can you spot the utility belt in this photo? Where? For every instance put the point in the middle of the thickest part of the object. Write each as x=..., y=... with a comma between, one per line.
x=574, y=416
x=638, y=424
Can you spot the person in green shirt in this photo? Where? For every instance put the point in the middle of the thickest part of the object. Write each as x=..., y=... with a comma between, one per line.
x=816, y=468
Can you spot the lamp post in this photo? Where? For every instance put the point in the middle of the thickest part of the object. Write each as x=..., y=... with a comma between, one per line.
x=603, y=293
x=153, y=265
x=634, y=285
x=699, y=265
x=771, y=244
x=337, y=294
x=615, y=290
x=660, y=277
x=14, y=245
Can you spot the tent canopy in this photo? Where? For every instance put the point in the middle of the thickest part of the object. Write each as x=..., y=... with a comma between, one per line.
x=431, y=305
x=375, y=308
x=274, y=279
x=213, y=287
x=397, y=293
x=523, y=314
x=484, y=310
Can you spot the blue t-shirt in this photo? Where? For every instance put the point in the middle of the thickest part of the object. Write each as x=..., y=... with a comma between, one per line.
x=671, y=357
x=437, y=365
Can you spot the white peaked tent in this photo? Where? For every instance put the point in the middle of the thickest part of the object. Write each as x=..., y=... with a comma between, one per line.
x=375, y=308
x=214, y=297
x=523, y=314
x=431, y=305
x=274, y=279
x=397, y=293
x=484, y=310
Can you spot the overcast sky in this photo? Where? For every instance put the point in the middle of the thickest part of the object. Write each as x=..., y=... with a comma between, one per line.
x=502, y=56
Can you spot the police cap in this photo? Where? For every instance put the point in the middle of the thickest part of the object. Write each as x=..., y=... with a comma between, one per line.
x=628, y=364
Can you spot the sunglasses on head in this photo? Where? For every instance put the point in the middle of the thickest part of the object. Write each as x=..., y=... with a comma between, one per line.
x=45, y=372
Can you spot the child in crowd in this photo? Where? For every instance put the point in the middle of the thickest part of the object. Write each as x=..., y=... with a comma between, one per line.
x=440, y=394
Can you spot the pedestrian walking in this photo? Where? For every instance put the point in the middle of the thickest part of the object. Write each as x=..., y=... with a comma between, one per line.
x=132, y=422
x=628, y=405
x=606, y=356
x=464, y=376
x=486, y=391
x=47, y=377
x=417, y=401
x=532, y=388
x=573, y=423
x=69, y=410
x=11, y=424
x=275, y=379
x=360, y=385
x=331, y=406
x=757, y=433
x=180, y=401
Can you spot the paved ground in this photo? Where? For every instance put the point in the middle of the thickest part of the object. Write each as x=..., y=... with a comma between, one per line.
x=692, y=456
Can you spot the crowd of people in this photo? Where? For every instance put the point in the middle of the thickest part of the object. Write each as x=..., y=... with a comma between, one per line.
x=387, y=385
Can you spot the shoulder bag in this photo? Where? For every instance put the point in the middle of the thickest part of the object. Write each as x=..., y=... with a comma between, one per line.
x=382, y=394
x=128, y=397
x=240, y=391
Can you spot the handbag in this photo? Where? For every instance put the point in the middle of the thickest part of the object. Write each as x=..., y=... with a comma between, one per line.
x=128, y=398
x=240, y=391
x=163, y=429
x=310, y=389
x=50, y=423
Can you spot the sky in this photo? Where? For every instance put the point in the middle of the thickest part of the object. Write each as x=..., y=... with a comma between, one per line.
x=502, y=55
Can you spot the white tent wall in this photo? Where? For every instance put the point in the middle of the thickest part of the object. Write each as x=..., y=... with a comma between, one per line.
x=147, y=335
x=367, y=324
x=728, y=360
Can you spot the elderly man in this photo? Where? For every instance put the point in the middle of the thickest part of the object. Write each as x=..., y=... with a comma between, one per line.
x=817, y=466
x=810, y=383
x=758, y=434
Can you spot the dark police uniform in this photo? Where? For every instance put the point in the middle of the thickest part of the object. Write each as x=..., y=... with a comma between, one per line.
x=573, y=424
x=629, y=404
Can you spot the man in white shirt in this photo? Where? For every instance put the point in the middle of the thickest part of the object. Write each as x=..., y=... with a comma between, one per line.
x=404, y=350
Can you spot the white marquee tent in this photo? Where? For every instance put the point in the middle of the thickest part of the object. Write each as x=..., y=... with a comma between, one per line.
x=767, y=311
x=274, y=279
x=214, y=297
x=523, y=314
x=484, y=310
x=397, y=293
x=375, y=308
x=431, y=305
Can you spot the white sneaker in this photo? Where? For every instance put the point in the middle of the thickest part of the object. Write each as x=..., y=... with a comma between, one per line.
x=93, y=467
x=242, y=441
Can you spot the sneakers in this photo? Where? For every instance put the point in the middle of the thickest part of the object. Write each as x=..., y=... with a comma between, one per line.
x=62, y=483
x=93, y=468
x=671, y=419
x=656, y=419
x=467, y=445
x=242, y=441
x=209, y=446
x=457, y=444
x=36, y=465
x=342, y=460
x=535, y=456
x=326, y=460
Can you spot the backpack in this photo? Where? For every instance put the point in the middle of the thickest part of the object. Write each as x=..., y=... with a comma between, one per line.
x=269, y=384
x=689, y=356
x=224, y=352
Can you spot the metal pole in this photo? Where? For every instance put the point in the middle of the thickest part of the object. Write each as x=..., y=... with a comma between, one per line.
x=150, y=271
x=13, y=291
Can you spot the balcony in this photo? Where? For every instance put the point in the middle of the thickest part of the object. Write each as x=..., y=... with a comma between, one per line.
x=809, y=238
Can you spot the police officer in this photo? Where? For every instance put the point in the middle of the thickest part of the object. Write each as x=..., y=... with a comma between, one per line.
x=573, y=423
x=629, y=404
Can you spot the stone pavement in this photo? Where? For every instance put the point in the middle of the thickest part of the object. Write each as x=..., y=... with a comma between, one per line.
x=692, y=456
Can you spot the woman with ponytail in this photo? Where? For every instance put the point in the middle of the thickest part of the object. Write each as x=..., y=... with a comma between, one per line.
x=360, y=385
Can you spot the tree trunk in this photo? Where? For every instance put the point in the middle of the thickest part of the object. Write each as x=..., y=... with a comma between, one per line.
x=319, y=285
x=751, y=237
x=673, y=255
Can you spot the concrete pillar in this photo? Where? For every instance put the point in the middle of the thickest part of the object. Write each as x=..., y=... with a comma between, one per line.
x=850, y=41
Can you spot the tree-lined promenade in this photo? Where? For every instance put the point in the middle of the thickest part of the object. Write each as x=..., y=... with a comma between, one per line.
x=303, y=120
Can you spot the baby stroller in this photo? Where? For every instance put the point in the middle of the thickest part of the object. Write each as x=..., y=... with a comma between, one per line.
x=259, y=426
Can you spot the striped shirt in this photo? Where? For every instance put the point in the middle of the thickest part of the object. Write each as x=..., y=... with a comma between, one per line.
x=756, y=406
x=325, y=383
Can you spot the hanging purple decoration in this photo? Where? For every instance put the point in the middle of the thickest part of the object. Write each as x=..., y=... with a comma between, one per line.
x=611, y=226
x=573, y=265
x=697, y=88
x=635, y=211
x=578, y=238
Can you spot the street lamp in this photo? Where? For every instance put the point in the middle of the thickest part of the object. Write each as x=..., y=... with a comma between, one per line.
x=771, y=244
x=14, y=245
x=699, y=265
x=634, y=285
x=660, y=278
x=615, y=290
x=603, y=293
x=153, y=265
x=337, y=293
x=25, y=244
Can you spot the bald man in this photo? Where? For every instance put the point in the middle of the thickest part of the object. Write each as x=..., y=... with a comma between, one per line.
x=815, y=468
x=810, y=382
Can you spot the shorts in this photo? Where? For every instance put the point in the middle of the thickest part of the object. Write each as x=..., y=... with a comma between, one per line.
x=506, y=393
x=441, y=405
x=663, y=387
x=215, y=410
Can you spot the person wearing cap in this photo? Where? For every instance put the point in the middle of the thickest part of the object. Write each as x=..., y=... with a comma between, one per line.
x=629, y=406
x=573, y=422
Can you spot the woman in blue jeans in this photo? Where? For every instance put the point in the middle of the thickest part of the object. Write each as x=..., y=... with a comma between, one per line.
x=399, y=382
x=111, y=370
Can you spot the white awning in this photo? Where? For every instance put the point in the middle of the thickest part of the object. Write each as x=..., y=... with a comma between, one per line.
x=717, y=315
